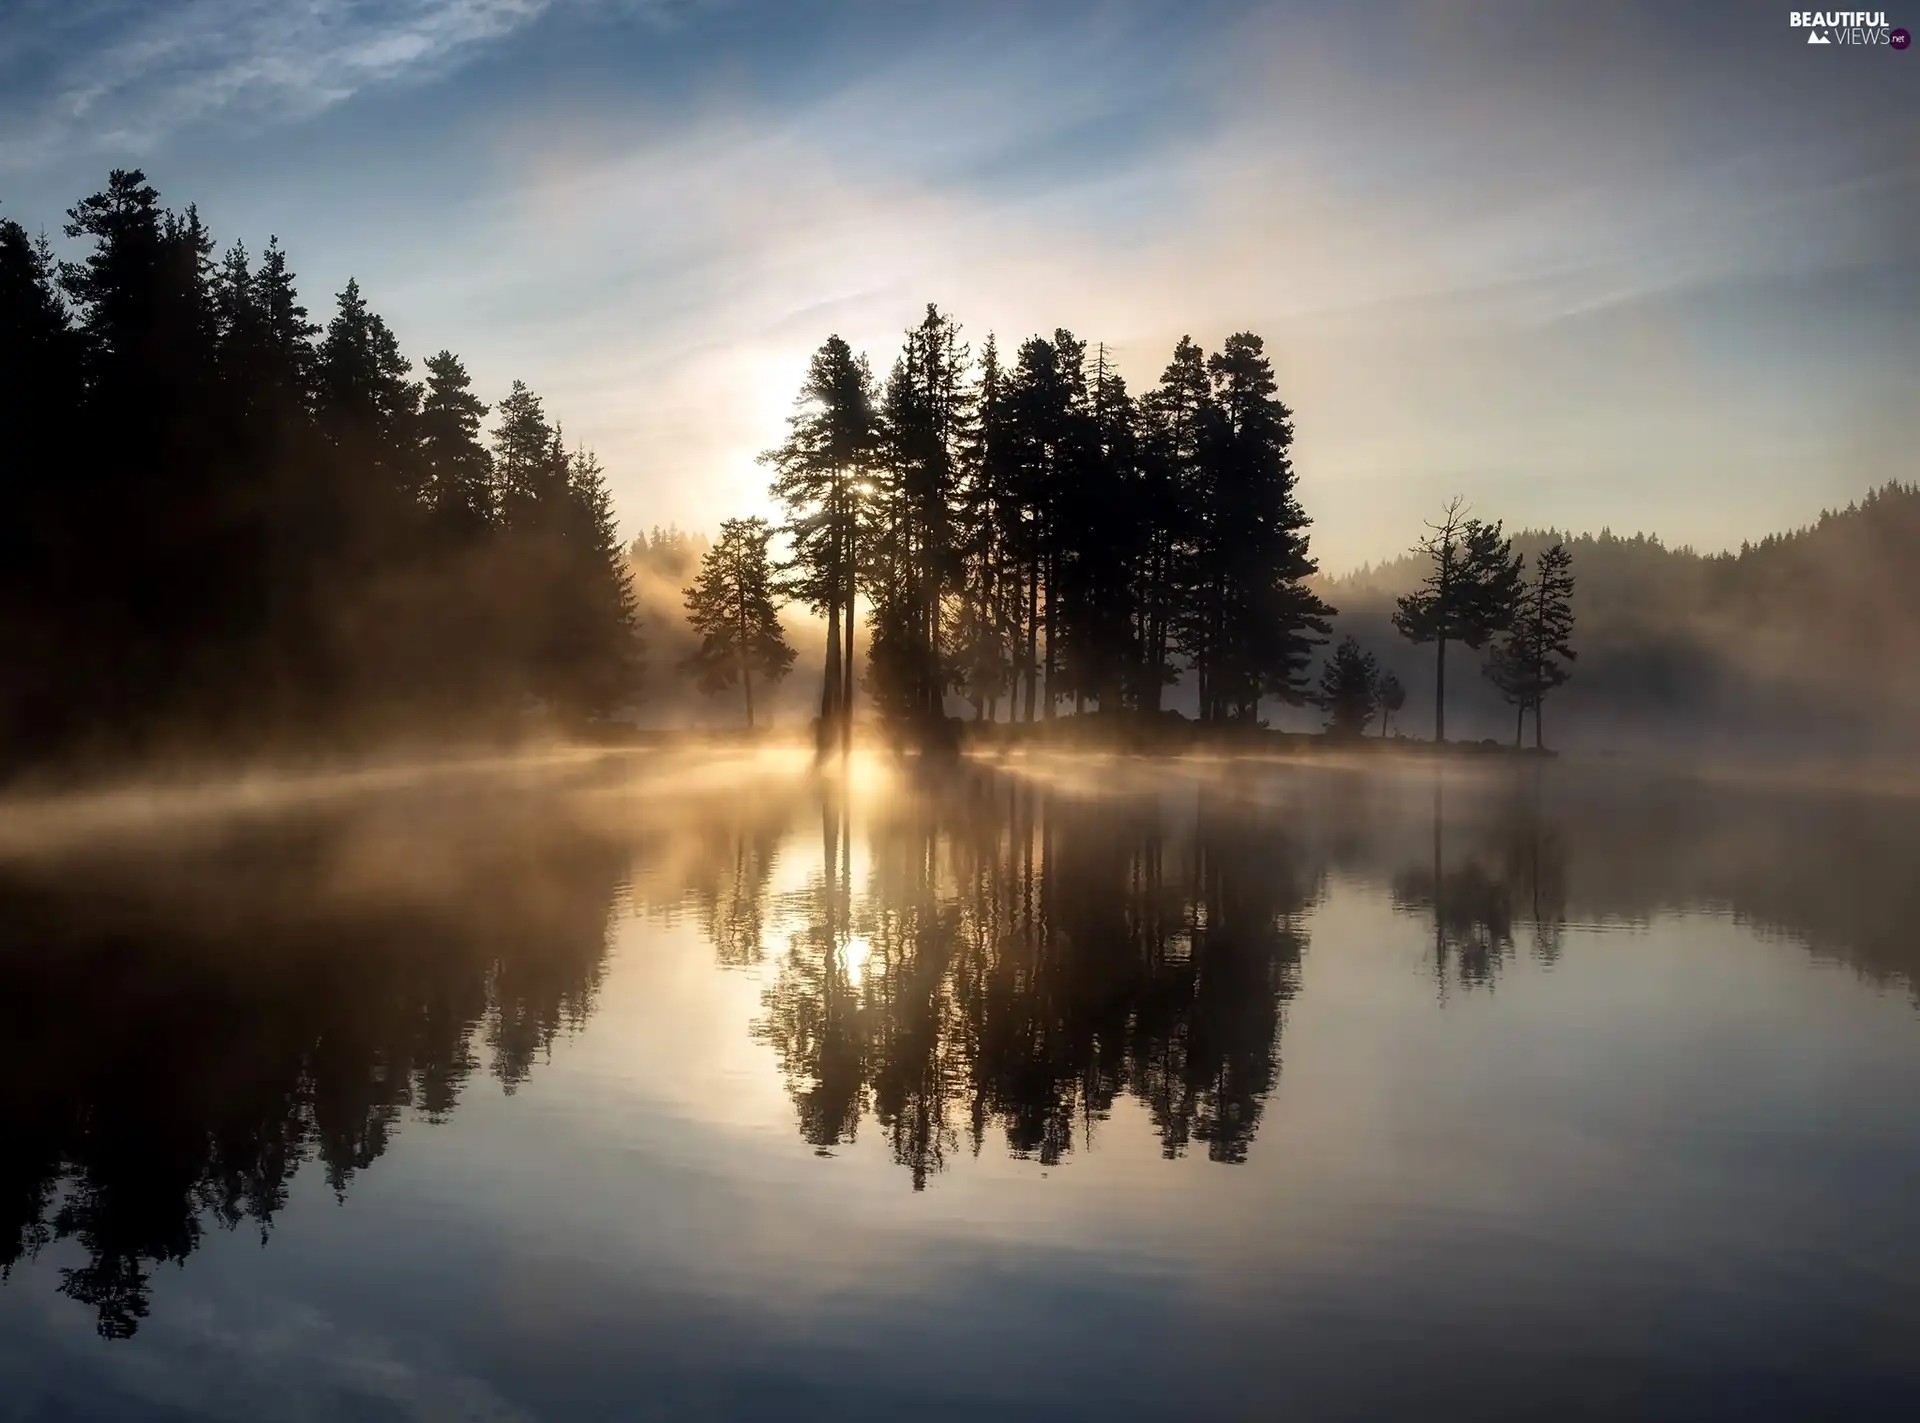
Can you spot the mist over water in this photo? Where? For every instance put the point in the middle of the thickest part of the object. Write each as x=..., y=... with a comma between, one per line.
x=710, y=1084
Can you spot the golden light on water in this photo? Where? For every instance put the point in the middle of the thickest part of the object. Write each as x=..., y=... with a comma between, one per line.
x=853, y=957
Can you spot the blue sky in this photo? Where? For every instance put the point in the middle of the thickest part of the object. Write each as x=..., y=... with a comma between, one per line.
x=1600, y=264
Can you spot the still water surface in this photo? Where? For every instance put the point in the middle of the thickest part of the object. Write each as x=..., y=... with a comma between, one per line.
x=711, y=1088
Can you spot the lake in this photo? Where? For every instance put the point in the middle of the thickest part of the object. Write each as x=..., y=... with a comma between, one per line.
x=664, y=1085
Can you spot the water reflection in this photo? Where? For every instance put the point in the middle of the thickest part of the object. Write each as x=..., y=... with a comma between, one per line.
x=978, y=958
x=181, y=1033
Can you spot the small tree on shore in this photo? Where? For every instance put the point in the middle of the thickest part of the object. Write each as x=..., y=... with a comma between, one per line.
x=1467, y=596
x=1531, y=660
x=1349, y=689
x=731, y=606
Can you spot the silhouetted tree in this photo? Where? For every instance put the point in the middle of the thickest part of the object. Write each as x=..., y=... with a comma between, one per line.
x=1531, y=660
x=1247, y=620
x=986, y=519
x=822, y=475
x=458, y=469
x=44, y=541
x=1349, y=689
x=926, y=422
x=1468, y=594
x=1179, y=419
x=731, y=607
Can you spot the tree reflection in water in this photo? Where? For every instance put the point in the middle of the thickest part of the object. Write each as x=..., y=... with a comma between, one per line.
x=992, y=955
x=181, y=1033
x=1019, y=959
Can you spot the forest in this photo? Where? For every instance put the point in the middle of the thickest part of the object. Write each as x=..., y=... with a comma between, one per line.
x=241, y=528
x=238, y=526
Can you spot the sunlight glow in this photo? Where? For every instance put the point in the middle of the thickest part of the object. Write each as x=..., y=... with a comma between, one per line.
x=853, y=957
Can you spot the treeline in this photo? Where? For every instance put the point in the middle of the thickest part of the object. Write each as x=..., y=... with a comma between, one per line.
x=231, y=524
x=1025, y=533
x=1806, y=640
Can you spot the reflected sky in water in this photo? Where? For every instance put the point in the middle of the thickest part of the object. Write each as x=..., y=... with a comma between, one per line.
x=653, y=1086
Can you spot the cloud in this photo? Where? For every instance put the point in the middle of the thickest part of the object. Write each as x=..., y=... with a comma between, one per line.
x=127, y=74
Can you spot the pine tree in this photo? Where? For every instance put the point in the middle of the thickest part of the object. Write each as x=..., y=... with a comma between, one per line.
x=1350, y=689
x=1531, y=660
x=1178, y=420
x=822, y=475
x=369, y=414
x=458, y=469
x=1257, y=621
x=1046, y=405
x=44, y=538
x=1467, y=596
x=926, y=424
x=529, y=467
x=1103, y=538
x=596, y=649
x=731, y=606
x=167, y=580
x=985, y=521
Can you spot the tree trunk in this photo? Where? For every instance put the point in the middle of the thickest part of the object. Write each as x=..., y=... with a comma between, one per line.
x=1539, y=743
x=1033, y=632
x=846, y=699
x=1519, y=724
x=1047, y=702
x=830, y=683
x=1440, y=693
x=740, y=651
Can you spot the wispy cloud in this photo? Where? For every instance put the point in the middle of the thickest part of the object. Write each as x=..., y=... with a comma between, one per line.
x=127, y=74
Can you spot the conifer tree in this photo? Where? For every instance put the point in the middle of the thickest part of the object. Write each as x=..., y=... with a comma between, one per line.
x=458, y=469
x=1103, y=545
x=822, y=475
x=596, y=657
x=165, y=583
x=43, y=538
x=985, y=522
x=369, y=413
x=1531, y=660
x=1350, y=689
x=1255, y=621
x=1467, y=596
x=529, y=467
x=731, y=606
x=1178, y=418
x=926, y=425
x=1046, y=404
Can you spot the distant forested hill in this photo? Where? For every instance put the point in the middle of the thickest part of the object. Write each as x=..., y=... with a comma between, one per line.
x=1809, y=634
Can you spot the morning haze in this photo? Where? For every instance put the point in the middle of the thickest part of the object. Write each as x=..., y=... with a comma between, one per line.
x=849, y=711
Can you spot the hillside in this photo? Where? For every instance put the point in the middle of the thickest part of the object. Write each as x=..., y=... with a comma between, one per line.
x=1809, y=635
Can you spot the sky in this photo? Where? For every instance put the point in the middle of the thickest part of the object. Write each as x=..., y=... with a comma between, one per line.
x=1625, y=265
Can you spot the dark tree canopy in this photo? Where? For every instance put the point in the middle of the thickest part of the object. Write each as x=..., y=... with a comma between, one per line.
x=234, y=529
